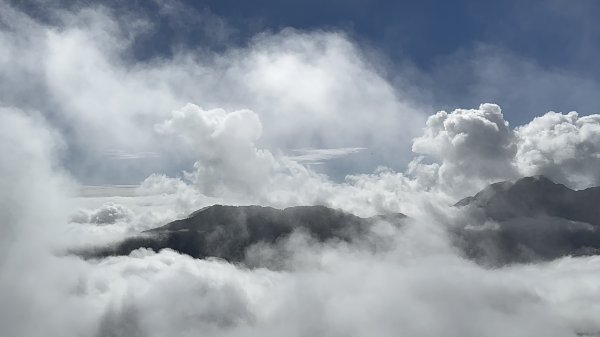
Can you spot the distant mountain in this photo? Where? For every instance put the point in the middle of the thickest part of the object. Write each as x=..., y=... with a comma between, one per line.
x=530, y=219
x=535, y=196
x=227, y=231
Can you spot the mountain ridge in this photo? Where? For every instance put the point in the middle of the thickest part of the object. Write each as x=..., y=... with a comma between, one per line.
x=534, y=196
x=530, y=219
x=228, y=231
x=526, y=220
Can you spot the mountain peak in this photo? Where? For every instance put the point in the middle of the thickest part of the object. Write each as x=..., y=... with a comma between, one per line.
x=533, y=217
x=534, y=189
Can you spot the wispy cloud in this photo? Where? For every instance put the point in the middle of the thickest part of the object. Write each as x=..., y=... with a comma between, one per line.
x=125, y=155
x=318, y=156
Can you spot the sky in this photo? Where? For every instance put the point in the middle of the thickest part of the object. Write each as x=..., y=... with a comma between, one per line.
x=528, y=58
x=553, y=37
x=118, y=117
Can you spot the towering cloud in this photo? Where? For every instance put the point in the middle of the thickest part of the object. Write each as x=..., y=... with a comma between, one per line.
x=222, y=141
x=565, y=147
x=471, y=148
x=469, y=145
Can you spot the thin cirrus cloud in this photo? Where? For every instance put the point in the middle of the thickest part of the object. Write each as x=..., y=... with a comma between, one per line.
x=124, y=155
x=318, y=156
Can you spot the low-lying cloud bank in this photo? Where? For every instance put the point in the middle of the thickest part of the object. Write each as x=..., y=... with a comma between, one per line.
x=288, y=90
x=420, y=284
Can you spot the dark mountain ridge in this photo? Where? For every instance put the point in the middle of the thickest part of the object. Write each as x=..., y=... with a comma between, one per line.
x=228, y=231
x=535, y=196
x=529, y=220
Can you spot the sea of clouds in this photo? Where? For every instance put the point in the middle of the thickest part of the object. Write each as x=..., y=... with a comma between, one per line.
x=253, y=125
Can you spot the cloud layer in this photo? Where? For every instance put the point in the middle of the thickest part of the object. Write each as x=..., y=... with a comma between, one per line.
x=72, y=99
x=310, y=89
x=475, y=147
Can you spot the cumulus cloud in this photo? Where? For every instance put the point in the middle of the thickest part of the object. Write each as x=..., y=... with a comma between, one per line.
x=459, y=153
x=468, y=144
x=472, y=148
x=161, y=184
x=109, y=213
x=232, y=166
x=565, y=147
x=222, y=141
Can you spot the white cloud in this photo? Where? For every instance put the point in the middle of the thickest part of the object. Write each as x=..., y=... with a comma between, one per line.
x=34, y=205
x=471, y=148
x=317, y=156
x=109, y=213
x=225, y=145
x=460, y=152
x=470, y=145
x=124, y=155
x=564, y=147
x=340, y=292
x=34, y=189
x=285, y=90
x=310, y=89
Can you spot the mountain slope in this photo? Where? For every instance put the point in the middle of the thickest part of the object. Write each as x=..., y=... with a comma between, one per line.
x=530, y=219
x=228, y=231
x=534, y=196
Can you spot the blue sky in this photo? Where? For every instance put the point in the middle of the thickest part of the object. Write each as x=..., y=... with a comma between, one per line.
x=559, y=37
